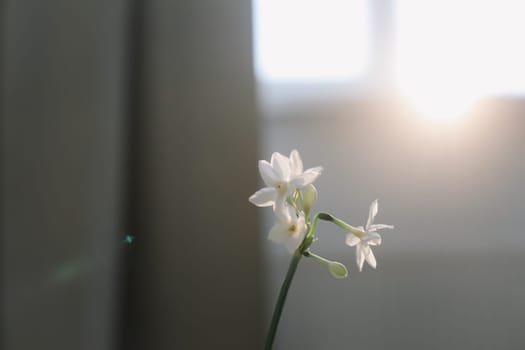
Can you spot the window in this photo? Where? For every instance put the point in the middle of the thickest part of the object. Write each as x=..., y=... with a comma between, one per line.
x=310, y=40
x=451, y=53
x=443, y=55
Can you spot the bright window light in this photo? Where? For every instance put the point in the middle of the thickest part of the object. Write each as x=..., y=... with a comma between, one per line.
x=452, y=52
x=310, y=40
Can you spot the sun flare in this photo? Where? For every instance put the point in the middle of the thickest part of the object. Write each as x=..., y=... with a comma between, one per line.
x=440, y=107
x=449, y=58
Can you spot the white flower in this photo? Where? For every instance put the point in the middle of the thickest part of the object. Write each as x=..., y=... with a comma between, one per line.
x=282, y=176
x=365, y=237
x=289, y=229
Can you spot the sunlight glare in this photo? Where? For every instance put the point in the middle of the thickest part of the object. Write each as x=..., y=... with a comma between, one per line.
x=442, y=107
x=452, y=53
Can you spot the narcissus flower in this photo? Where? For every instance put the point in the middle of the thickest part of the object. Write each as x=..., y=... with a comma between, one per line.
x=290, y=191
x=289, y=228
x=282, y=176
x=363, y=238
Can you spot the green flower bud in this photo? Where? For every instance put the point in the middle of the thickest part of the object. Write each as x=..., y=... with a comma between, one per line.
x=337, y=270
x=309, y=198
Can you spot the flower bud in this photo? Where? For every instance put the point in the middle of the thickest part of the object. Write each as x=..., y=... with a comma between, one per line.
x=309, y=198
x=337, y=270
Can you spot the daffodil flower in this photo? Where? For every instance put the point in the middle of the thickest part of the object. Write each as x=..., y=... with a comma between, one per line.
x=282, y=176
x=289, y=228
x=364, y=237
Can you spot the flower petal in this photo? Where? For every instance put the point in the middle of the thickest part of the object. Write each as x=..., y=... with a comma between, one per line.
x=296, y=238
x=352, y=239
x=264, y=197
x=281, y=165
x=301, y=226
x=283, y=211
x=372, y=238
x=268, y=174
x=376, y=227
x=369, y=256
x=294, y=241
x=279, y=233
x=371, y=214
x=359, y=256
x=308, y=177
x=296, y=164
x=290, y=189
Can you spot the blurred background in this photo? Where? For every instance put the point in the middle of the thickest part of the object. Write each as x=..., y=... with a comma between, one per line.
x=130, y=134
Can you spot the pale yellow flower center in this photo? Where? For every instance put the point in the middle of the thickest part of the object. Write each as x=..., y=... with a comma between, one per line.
x=281, y=187
x=359, y=233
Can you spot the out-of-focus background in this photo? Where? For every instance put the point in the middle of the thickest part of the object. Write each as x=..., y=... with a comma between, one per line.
x=130, y=134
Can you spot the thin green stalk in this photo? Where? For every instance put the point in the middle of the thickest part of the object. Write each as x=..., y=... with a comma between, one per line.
x=281, y=299
x=339, y=222
x=320, y=259
x=293, y=267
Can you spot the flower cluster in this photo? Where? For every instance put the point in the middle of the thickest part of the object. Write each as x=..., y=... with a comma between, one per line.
x=290, y=192
x=284, y=178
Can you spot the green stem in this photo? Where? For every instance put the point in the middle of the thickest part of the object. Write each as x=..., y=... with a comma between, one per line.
x=340, y=223
x=303, y=249
x=320, y=259
x=281, y=299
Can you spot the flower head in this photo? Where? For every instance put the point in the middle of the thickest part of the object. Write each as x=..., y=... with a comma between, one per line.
x=282, y=176
x=289, y=229
x=364, y=237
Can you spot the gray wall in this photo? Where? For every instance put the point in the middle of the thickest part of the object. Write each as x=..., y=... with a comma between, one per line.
x=195, y=276
x=155, y=137
x=62, y=112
